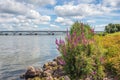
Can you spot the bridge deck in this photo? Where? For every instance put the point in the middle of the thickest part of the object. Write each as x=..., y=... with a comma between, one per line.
x=35, y=32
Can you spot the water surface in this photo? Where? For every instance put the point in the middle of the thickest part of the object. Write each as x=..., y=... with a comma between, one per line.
x=19, y=52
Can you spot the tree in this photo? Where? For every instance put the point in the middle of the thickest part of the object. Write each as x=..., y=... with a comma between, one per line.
x=111, y=28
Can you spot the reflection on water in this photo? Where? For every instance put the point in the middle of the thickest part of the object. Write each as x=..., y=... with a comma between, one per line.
x=18, y=52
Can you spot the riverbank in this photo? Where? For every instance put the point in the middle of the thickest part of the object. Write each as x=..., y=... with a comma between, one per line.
x=50, y=71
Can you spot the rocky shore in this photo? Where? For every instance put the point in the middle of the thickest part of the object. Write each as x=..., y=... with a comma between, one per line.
x=50, y=71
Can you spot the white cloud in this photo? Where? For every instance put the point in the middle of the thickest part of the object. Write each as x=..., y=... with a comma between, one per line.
x=78, y=17
x=13, y=7
x=91, y=21
x=33, y=14
x=100, y=27
x=19, y=16
x=54, y=26
x=82, y=10
x=45, y=18
x=39, y=2
x=8, y=20
x=59, y=19
x=46, y=11
x=111, y=3
x=63, y=21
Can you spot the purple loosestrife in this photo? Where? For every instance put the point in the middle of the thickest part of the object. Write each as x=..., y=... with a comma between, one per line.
x=102, y=60
x=61, y=42
x=84, y=40
x=94, y=72
x=58, y=48
x=68, y=37
x=61, y=46
x=61, y=61
x=92, y=31
x=74, y=39
x=57, y=43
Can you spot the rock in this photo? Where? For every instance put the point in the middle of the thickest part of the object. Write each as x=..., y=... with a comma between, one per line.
x=47, y=68
x=66, y=78
x=50, y=71
x=22, y=76
x=55, y=78
x=53, y=64
x=87, y=79
x=47, y=73
x=31, y=73
x=55, y=59
x=45, y=65
x=49, y=78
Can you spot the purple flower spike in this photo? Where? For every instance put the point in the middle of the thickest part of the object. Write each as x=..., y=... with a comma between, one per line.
x=58, y=48
x=67, y=33
x=92, y=30
x=62, y=62
x=56, y=41
x=68, y=36
x=61, y=41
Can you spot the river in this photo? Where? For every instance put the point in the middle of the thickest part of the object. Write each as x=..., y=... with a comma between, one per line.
x=19, y=52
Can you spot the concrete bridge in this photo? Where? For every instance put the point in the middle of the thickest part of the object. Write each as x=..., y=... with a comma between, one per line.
x=32, y=32
x=36, y=32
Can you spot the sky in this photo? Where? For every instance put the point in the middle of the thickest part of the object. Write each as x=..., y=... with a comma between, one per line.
x=57, y=14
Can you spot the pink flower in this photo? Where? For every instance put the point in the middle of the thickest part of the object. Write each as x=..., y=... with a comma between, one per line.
x=61, y=42
x=94, y=72
x=101, y=59
x=61, y=61
x=92, y=30
x=57, y=43
x=58, y=48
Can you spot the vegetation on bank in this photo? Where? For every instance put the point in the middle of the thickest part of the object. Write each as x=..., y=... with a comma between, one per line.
x=82, y=55
x=86, y=55
x=111, y=44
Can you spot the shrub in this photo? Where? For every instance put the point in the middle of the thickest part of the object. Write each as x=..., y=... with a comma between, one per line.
x=111, y=42
x=81, y=56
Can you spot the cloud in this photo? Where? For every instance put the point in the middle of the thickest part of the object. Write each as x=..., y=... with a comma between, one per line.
x=54, y=27
x=39, y=2
x=111, y=3
x=78, y=17
x=90, y=21
x=78, y=10
x=49, y=14
x=5, y=27
x=63, y=21
x=12, y=7
x=100, y=27
x=19, y=16
x=83, y=9
x=16, y=8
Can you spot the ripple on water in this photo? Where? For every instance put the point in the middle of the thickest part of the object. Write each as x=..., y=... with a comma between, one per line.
x=19, y=52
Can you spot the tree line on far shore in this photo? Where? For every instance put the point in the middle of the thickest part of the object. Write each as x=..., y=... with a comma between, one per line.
x=111, y=28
